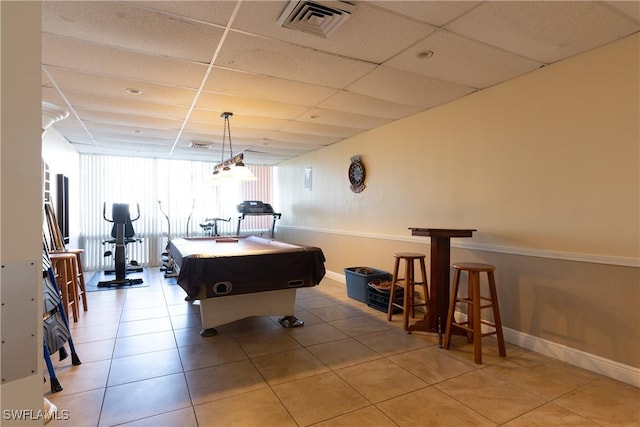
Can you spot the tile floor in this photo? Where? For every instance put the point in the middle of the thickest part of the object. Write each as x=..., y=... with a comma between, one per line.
x=145, y=364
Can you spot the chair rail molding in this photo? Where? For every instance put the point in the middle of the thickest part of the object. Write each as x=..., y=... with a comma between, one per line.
x=486, y=247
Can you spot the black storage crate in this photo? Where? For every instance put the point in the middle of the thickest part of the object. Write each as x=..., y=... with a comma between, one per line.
x=359, y=277
x=378, y=297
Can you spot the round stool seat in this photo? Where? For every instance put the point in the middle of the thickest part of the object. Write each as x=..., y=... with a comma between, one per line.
x=409, y=255
x=474, y=266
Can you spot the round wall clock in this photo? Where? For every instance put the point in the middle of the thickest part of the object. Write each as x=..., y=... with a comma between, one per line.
x=356, y=174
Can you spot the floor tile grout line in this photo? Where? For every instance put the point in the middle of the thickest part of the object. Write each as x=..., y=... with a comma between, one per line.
x=251, y=360
x=386, y=357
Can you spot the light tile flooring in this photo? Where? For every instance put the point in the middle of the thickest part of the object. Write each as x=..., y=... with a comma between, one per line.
x=145, y=364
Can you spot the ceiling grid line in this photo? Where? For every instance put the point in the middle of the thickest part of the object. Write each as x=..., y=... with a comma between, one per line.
x=193, y=60
x=206, y=75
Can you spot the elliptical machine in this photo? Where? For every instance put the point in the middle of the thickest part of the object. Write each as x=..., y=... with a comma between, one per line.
x=123, y=234
x=168, y=265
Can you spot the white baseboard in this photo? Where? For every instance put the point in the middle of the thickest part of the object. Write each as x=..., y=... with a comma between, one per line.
x=336, y=276
x=609, y=368
x=591, y=362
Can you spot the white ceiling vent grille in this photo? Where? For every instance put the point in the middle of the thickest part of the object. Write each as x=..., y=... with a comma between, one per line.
x=200, y=144
x=320, y=18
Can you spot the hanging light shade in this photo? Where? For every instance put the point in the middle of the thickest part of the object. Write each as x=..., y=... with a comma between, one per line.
x=232, y=169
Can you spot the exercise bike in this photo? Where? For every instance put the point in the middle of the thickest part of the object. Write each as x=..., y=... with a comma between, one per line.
x=210, y=226
x=123, y=234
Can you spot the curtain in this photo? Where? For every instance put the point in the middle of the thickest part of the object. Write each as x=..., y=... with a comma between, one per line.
x=179, y=188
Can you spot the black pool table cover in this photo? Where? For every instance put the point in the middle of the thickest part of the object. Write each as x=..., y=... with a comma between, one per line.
x=218, y=267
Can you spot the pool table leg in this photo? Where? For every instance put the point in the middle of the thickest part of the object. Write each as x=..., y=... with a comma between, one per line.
x=290, y=322
x=209, y=332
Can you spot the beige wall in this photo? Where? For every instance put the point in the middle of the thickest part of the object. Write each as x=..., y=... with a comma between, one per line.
x=546, y=167
x=62, y=158
x=21, y=193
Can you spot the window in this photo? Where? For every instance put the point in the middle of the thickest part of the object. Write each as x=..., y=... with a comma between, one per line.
x=181, y=188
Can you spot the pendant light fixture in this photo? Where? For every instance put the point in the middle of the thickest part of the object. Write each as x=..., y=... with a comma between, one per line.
x=232, y=169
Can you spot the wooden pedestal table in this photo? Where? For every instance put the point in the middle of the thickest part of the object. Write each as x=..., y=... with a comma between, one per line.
x=436, y=317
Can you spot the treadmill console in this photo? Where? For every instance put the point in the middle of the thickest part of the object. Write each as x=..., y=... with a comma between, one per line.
x=255, y=207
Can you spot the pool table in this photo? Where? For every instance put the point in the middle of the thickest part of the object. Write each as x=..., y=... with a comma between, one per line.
x=238, y=277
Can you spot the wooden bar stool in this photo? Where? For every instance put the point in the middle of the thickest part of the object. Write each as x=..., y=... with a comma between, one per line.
x=408, y=283
x=55, y=245
x=474, y=322
x=65, y=267
x=81, y=291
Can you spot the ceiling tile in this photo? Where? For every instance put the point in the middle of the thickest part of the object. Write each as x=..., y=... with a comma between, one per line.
x=244, y=135
x=132, y=140
x=131, y=106
x=121, y=25
x=215, y=12
x=243, y=106
x=299, y=138
x=73, y=130
x=117, y=130
x=546, y=31
x=339, y=118
x=239, y=83
x=320, y=129
x=142, y=146
x=355, y=103
x=283, y=147
x=288, y=61
x=128, y=120
x=200, y=155
x=462, y=61
x=407, y=88
x=114, y=87
x=88, y=57
x=629, y=8
x=434, y=12
x=210, y=121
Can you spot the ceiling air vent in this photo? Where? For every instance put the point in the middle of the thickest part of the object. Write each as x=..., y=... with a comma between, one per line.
x=320, y=18
x=200, y=144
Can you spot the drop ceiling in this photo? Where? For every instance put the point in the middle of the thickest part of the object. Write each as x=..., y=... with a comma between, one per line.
x=291, y=92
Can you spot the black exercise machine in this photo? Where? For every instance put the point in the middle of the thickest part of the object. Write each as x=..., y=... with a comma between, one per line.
x=122, y=234
x=210, y=226
x=256, y=207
